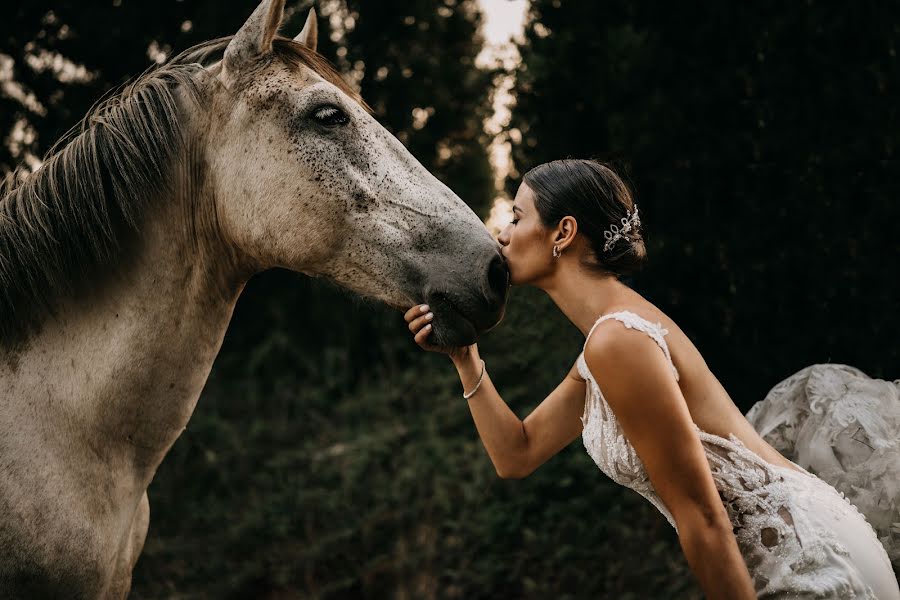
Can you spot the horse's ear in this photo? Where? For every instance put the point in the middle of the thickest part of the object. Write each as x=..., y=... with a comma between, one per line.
x=254, y=39
x=309, y=35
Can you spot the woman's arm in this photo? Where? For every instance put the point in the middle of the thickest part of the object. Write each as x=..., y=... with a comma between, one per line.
x=515, y=447
x=518, y=447
x=637, y=383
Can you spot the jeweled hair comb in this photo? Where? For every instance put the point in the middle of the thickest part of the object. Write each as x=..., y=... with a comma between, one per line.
x=630, y=222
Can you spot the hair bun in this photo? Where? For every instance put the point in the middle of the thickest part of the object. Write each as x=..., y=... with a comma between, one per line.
x=601, y=203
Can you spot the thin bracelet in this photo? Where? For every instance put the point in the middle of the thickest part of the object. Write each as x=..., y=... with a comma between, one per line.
x=477, y=385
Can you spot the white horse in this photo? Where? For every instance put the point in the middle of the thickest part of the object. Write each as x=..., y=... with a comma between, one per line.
x=122, y=257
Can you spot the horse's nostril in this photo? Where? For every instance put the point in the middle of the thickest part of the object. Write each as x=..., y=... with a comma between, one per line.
x=498, y=275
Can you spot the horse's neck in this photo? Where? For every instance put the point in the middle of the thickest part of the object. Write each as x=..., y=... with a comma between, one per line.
x=123, y=371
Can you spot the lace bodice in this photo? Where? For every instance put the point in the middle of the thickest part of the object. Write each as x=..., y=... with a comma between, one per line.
x=781, y=517
x=602, y=436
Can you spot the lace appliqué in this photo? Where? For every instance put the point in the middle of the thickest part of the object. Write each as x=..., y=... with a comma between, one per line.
x=844, y=426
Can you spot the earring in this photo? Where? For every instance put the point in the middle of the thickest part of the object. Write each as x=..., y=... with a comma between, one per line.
x=556, y=252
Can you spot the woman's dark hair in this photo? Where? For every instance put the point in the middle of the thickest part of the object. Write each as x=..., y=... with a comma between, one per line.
x=591, y=193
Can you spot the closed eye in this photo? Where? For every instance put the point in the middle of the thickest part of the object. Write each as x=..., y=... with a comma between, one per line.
x=329, y=115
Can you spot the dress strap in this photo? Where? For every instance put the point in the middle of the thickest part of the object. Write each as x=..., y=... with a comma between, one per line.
x=634, y=321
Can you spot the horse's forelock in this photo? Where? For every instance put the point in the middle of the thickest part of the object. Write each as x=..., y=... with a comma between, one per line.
x=294, y=54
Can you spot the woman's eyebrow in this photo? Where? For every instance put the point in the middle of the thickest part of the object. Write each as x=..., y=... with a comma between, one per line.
x=516, y=208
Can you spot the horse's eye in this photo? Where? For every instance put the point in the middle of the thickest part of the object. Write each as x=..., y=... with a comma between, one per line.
x=330, y=116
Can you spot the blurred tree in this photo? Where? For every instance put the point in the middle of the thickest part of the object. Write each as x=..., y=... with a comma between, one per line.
x=58, y=58
x=761, y=141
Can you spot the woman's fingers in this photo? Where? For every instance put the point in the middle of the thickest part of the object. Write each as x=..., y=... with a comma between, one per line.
x=416, y=311
x=422, y=335
x=420, y=319
x=420, y=322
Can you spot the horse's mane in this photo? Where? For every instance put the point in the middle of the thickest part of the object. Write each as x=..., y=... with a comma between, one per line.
x=67, y=225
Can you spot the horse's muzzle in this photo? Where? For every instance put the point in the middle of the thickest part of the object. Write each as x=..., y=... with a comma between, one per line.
x=463, y=312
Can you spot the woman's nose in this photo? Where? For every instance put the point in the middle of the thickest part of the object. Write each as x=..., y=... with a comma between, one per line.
x=503, y=238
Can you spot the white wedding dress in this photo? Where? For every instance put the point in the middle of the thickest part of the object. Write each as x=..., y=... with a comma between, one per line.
x=844, y=426
x=799, y=537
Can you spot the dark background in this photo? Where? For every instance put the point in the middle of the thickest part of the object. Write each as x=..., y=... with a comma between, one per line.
x=330, y=458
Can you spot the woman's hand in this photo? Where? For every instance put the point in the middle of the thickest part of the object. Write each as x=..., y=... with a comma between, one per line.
x=420, y=324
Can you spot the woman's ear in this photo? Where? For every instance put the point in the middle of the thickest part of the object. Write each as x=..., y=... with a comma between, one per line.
x=565, y=232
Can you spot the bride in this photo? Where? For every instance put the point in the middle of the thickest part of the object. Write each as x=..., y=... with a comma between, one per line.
x=751, y=523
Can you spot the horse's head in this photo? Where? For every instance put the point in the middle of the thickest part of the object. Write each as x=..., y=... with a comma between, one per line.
x=304, y=178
